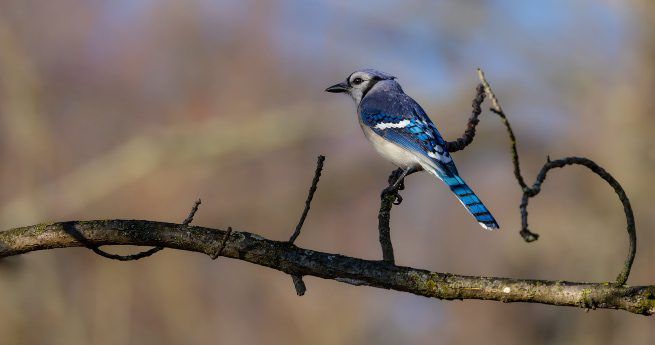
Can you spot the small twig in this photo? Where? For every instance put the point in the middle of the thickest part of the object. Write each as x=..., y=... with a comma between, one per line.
x=390, y=196
x=494, y=100
x=469, y=133
x=629, y=216
x=498, y=110
x=194, y=209
x=310, y=196
x=96, y=248
x=219, y=251
x=298, y=284
x=529, y=192
x=132, y=257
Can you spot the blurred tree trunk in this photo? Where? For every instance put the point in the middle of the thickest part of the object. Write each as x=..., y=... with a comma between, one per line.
x=21, y=118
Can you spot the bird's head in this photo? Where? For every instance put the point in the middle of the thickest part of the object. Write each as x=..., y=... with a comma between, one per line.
x=359, y=83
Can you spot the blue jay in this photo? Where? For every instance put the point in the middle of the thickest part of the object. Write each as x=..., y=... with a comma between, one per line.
x=401, y=132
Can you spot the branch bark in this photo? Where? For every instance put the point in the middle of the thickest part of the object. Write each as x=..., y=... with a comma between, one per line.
x=287, y=258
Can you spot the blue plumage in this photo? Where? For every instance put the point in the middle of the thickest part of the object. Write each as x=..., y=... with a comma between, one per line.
x=401, y=131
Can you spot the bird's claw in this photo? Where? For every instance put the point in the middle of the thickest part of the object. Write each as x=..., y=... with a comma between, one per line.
x=390, y=191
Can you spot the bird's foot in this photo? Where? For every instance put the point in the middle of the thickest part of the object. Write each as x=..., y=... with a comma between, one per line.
x=396, y=184
x=392, y=191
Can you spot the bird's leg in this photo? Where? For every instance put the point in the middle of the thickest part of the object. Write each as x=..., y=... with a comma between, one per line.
x=400, y=180
x=390, y=197
x=397, y=180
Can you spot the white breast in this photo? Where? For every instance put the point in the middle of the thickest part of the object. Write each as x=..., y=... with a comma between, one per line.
x=394, y=153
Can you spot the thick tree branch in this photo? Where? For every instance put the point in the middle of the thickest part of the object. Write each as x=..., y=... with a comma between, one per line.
x=295, y=261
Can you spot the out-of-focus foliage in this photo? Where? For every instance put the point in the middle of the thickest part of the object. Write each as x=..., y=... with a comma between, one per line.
x=134, y=108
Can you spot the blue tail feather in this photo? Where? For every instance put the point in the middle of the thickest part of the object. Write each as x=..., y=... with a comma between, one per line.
x=471, y=201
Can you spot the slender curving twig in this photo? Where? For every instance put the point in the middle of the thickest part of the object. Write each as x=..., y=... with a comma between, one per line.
x=132, y=257
x=498, y=110
x=310, y=195
x=298, y=283
x=192, y=213
x=469, y=133
x=529, y=192
x=388, y=198
x=529, y=236
x=221, y=247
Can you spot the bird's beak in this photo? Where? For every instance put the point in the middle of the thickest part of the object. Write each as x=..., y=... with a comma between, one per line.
x=338, y=88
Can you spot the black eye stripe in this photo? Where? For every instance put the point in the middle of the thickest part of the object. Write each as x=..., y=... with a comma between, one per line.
x=374, y=80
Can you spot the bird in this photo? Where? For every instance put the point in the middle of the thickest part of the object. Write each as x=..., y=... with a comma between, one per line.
x=401, y=131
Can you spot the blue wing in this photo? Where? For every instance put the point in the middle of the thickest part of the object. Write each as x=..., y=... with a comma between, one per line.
x=401, y=120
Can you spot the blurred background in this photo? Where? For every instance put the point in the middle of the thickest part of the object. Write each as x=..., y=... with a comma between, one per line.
x=135, y=108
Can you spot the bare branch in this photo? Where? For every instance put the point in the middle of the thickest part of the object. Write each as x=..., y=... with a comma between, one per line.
x=304, y=262
x=298, y=283
x=630, y=219
x=529, y=192
x=469, y=133
x=390, y=196
x=219, y=251
x=310, y=196
x=387, y=200
x=140, y=255
x=192, y=213
x=496, y=108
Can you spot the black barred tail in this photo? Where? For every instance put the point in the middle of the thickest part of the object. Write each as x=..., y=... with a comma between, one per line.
x=471, y=202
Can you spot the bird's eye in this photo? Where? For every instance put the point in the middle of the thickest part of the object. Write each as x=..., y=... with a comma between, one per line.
x=358, y=81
